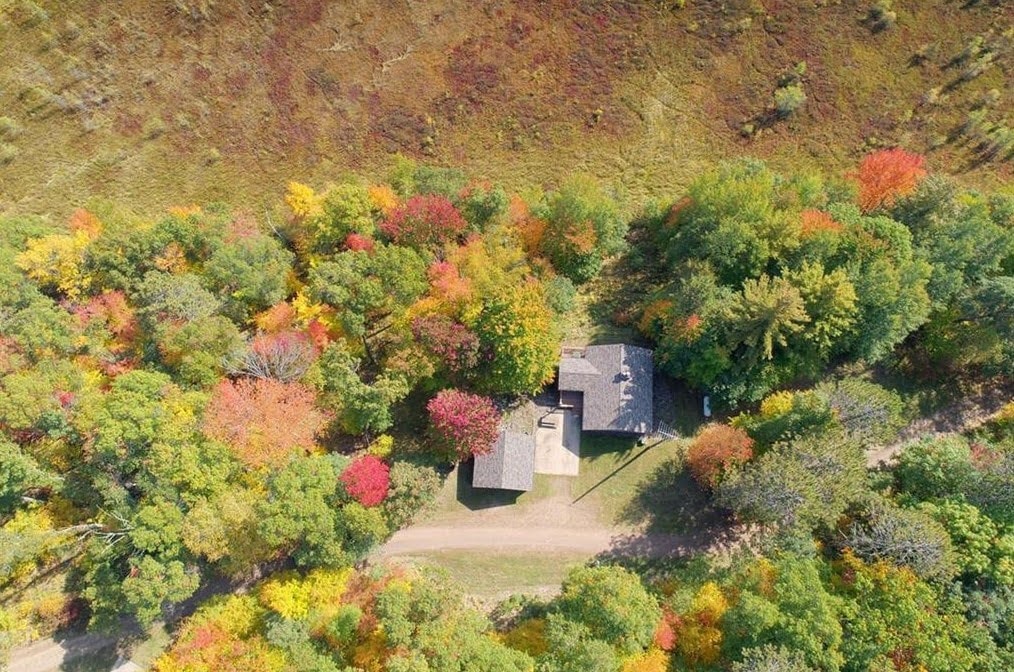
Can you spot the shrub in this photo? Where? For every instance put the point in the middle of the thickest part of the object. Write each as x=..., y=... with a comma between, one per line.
x=789, y=98
x=881, y=15
x=8, y=153
x=381, y=446
x=9, y=129
x=560, y=294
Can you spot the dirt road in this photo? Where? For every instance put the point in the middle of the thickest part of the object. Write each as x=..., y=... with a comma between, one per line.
x=969, y=413
x=48, y=655
x=593, y=541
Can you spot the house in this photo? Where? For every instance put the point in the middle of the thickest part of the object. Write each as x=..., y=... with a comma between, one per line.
x=609, y=386
x=510, y=465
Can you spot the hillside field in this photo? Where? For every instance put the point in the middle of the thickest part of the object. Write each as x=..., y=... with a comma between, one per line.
x=154, y=103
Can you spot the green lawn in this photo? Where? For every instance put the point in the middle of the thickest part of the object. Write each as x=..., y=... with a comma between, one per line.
x=151, y=647
x=625, y=484
x=630, y=483
x=496, y=575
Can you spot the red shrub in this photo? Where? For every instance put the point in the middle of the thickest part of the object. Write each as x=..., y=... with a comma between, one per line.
x=316, y=331
x=885, y=175
x=715, y=449
x=82, y=220
x=366, y=480
x=112, y=309
x=263, y=420
x=464, y=424
x=424, y=221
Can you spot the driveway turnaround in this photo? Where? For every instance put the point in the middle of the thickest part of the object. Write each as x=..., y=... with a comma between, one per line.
x=558, y=443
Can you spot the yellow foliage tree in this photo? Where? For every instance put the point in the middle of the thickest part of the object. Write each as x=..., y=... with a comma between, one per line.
x=55, y=262
x=699, y=644
x=383, y=198
x=652, y=660
x=709, y=604
x=371, y=653
x=286, y=595
x=302, y=200
x=292, y=596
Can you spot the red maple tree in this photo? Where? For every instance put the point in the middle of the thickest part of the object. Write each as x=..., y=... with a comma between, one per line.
x=366, y=480
x=886, y=175
x=715, y=449
x=424, y=221
x=465, y=424
x=263, y=420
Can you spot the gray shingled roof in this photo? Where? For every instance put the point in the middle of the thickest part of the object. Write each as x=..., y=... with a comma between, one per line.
x=510, y=465
x=617, y=384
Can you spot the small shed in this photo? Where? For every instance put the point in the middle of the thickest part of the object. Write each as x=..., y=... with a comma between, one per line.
x=509, y=465
x=610, y=386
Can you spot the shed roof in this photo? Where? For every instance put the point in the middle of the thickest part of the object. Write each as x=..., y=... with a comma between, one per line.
x=510, y=465
x=616, y=381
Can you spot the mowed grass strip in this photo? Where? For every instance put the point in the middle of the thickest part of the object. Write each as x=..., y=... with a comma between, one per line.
x=494, y=575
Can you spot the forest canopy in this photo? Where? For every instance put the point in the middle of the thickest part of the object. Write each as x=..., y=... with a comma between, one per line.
x=208, y=395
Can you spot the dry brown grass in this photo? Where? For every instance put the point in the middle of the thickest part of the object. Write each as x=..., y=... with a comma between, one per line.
x=155, y=102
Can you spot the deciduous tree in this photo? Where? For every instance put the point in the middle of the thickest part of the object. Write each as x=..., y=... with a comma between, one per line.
x=517, y=330
x=905, y=537
x=613, y=604
x=463, y=424
x=367, y=480
x=424, y=222
x=886, y=175
x=801, y=484
x=264, y=421
x=584, y=226
x=715, y=450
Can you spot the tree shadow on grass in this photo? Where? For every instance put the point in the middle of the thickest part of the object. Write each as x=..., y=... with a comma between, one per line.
x=670, y=501
x=93, y=660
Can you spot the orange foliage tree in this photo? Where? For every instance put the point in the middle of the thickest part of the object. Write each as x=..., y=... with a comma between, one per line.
x=815, y=221
x=715, y=449
x=263, y=420
x=886, y=175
